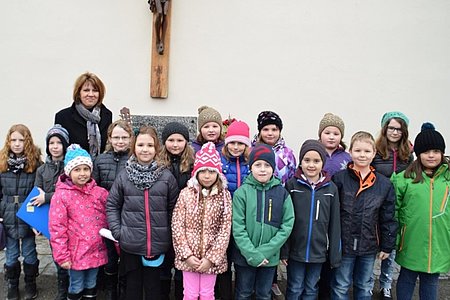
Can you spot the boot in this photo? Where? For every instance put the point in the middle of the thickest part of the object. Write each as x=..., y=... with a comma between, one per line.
x=90, y=294
x=12, y=275
x=122, y=287
x=31, y=272
x=165, y=289
x=74, y=296
x=178, y=289
x=63, y=284
x=111, y=286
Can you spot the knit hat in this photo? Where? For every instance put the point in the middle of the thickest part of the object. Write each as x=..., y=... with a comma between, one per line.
x=330, y=119
x=313, y=145
x=208, y=114
x=428, y=139
x=267, y=118
x=60, y=132
x=172, y=128
x=238, y=131
x=262, y=152
x=76, y=156
x=207, y=159
x=393, y=114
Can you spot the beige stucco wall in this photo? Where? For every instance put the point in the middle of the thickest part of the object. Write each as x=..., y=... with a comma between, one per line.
x=299, y=58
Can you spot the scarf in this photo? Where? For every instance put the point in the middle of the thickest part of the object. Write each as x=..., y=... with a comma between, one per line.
x=142, y=176
x=16, y=164
x=93, y=131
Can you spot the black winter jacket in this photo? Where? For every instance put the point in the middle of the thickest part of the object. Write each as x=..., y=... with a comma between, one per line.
x=70, y=119
x=47, y=176
x=14, y=188
x=142, y=228
x=386, y=167
x=181, y=178
x=107, y=166
x=367, y=219
x=317, y=227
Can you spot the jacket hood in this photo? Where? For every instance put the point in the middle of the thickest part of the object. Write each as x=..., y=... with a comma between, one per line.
x=298, y=175
x=64, y=182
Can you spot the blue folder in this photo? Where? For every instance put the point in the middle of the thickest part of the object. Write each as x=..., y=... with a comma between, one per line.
x=35, y=216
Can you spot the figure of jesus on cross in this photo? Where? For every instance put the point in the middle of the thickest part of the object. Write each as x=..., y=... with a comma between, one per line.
x=160, y=9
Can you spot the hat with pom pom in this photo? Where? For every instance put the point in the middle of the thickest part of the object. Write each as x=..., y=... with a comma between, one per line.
x=428, y=139
x=238, y=131
x=76, y=156
x=207, y=159
x=208, y=114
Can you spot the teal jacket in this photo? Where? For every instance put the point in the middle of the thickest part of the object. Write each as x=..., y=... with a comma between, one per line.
x=423, y=214
x=263, y=217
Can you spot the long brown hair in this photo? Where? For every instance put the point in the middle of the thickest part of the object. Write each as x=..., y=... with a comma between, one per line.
x=404, y=146
x=30, y=150
x=145, y=129
x=186, y=158
x=416, y=168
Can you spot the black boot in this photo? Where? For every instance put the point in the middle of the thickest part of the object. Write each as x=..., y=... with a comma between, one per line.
x=178, y=289
x=111, y=286
x=165, y=289
x=63, y=283
x=122, y=287
x=12, y=274
x=74, y=296
x=31, y=272
x=90, y=294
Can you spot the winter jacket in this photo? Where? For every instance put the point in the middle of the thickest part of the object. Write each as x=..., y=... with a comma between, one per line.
x=390, y=165
x=14, y=188
x=76, y=215
x=423, y=214
x=201, y=226
x=142, y=224
x=197, y=146
x=263, y=217
x=107, y=166
x=70, y=119
x=367, y=212
x=235, y=170
x=338, y=161
x=181, y=178
x=317, y=227
x=47, y=175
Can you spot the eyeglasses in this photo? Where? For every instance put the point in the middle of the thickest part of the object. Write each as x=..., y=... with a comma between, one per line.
x=118, y=138
x=394, y=129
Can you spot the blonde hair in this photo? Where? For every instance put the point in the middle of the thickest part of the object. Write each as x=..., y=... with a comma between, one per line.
x=30, y=150
x=228, y=155
x=125, y=126
x=363, y=136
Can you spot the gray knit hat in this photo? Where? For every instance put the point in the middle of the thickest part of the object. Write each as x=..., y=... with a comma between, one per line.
x=208, y=114
x=172, y=128
x=330, y=119
x=313, y=145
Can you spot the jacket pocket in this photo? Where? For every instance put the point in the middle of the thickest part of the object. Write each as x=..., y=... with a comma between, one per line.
x=402, y=238
x=443, y=206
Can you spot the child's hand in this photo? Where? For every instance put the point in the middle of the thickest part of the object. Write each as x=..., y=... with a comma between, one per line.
x=205, y=264
x=193, y=262
x=284, y=261
x=383, y=255
x=39, y=199
x=1, y=220
x=66, y=265
x=263, y=263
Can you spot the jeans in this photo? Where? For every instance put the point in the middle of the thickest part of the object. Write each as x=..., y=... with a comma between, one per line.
x=386, y=272
x=198, y=285
x=82, y=279
x=27, y=249
x=302, y=280
x=358, y=269
x=249, y=279
x=428, y=285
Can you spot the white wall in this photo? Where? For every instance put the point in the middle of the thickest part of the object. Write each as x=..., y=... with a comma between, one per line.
x=299, y=58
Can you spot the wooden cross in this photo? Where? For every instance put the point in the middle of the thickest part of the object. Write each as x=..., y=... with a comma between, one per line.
x=159, y=77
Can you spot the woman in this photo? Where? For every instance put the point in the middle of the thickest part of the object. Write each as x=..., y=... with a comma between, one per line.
x=87, y=119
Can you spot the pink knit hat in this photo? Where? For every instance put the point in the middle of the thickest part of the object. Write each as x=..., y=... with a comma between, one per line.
x=238, y=131
x=207, y=159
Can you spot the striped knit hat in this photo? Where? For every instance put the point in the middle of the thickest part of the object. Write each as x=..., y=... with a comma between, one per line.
x=207, y=159
x=76, y=156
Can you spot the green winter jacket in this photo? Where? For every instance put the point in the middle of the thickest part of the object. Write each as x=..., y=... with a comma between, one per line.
x=423, y=214
x=263, y=217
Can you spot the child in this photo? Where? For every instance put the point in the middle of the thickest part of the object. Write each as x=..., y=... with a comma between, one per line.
x=178, y=157
x=201, y=226
x=423, y=216
x=393, y=155
x=139, y=209
x=235, y=167
x=263, y=217
x=317, y=227
x=367, y=219
x=106, y=168
x=19, y=159
x=77, y=213
x=210, y=128
x=47, y=175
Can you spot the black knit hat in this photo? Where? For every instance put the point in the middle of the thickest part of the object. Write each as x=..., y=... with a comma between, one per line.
x=262, y=152
x=61, y=133
x=428, y=139
x=267, y=118
x=172, y=128
x=313, y=145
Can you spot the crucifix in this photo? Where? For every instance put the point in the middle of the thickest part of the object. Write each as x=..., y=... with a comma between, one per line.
x=159, y=77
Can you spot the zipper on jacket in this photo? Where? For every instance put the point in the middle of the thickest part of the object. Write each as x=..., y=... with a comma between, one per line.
x=311, y=215
x=263, y=216
x=238, y=172
x=430, y=230
x=402, y=234
x=270, y=210
x=16, y=205
x=148, y=222
x=202, y=216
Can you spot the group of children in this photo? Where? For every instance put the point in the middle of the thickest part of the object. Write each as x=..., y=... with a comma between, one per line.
x=232, y=199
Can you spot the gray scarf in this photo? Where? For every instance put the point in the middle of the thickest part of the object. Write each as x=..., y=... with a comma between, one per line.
x=93, y=131
x=142, y=176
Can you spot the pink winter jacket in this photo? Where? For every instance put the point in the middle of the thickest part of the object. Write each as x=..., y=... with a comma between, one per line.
x=75, y=218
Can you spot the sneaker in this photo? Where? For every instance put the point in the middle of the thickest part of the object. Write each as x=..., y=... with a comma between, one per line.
x=385, y=293
x=276, y=290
